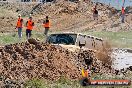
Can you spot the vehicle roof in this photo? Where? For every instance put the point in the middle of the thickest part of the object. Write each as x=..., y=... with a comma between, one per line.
x=64, y=33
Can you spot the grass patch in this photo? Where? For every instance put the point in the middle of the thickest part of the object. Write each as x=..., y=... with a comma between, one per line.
x=65, y=83
x=36, y=83
x=11, y=38
x=117, y=39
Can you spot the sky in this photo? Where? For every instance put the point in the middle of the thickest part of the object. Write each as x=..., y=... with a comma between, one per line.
x=116, y=3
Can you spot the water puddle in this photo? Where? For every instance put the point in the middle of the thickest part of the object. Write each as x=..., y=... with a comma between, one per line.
x=122, y=58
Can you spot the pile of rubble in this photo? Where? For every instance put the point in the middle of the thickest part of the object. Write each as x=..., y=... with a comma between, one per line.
x=33, y=59
x=25, y=61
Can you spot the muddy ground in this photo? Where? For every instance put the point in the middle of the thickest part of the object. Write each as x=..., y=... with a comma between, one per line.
x=34, y=59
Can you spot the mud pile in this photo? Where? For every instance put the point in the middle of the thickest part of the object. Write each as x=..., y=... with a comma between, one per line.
x=39, y=60
x=34, y=59
x=24, y=61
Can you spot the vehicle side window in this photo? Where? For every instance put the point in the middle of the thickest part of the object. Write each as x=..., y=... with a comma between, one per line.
x=67, y=39
x=81, y=39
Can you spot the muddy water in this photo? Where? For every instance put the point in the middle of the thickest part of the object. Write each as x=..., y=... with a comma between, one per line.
x=122, y=58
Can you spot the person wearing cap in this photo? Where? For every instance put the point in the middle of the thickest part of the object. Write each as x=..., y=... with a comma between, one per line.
x=19, y=26
x=46, y=25
x=29, y=25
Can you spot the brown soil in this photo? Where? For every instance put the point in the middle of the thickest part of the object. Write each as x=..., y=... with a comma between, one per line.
x=27, y=61
x=67, y=16
x=34, y=59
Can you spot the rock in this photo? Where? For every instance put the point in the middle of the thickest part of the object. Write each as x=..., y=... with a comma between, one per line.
x=33, y=41
x=130, y=68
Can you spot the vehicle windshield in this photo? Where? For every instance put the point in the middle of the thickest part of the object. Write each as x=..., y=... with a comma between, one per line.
x=67, y=39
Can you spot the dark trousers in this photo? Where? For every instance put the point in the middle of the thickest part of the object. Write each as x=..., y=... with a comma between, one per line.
x=122, y=18
x=20, y=32
x=28, y=33
x=46, y=31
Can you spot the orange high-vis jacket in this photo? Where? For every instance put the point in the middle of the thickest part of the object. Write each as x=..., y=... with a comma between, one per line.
x=30, y=24
x=47, y=24
x=19, y=23
x=123, y=10
x=84, y=73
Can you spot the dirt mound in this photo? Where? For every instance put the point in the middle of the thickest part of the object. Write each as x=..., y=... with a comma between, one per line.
x=27, y=61
x=67, y=16
x=34, y=59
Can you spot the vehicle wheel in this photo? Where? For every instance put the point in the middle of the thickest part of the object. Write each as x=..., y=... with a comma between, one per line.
x=84, y=82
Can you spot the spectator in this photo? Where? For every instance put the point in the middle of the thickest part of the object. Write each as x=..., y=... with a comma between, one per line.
x=122, y=15
x=46, y=25
x=29, y=25
x=19, y=26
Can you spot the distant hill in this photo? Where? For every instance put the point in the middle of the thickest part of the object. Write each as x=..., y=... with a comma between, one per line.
x=66, y=16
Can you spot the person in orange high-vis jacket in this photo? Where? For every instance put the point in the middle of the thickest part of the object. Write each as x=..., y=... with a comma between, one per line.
x=19, y=26
x=85, y=73
x=85, y=77
x=29, y=25
x=122, y=14
x=46, y=25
